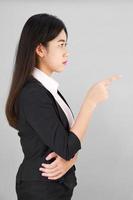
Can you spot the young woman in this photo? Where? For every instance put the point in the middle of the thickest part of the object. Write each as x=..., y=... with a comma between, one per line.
x=49, y=135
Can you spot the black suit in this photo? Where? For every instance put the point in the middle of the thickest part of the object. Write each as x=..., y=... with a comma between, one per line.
x=43, y=128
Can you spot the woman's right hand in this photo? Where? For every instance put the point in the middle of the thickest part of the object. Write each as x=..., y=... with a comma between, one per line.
x=98, y=92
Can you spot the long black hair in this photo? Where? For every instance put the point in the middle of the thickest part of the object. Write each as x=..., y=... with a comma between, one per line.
x=39, y=28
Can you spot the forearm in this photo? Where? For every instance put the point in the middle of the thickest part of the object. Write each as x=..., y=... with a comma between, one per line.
x=84, y=116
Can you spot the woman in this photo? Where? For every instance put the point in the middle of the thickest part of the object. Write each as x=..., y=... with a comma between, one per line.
x=49, y=135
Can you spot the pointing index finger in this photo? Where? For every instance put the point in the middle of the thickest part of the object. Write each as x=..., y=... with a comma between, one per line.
x=115, y=77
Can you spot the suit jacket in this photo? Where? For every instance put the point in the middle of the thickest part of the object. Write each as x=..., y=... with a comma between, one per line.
x=43, y=128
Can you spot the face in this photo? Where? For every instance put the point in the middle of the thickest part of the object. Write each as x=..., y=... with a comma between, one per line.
x=52, y=58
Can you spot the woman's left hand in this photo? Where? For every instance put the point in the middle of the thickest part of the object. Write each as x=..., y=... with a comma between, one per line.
x=58, y=167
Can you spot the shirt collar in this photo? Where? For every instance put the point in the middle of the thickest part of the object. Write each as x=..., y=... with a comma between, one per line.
x=47, y=81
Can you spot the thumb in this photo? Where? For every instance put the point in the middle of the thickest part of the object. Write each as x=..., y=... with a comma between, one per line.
x=51, y=155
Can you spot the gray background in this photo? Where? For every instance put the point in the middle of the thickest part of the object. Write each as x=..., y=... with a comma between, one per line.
x=100, y=44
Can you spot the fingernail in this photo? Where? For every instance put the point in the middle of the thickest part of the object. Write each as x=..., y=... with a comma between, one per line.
x=43, y=174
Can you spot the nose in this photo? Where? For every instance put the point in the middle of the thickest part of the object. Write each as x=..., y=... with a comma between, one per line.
x=66, y=54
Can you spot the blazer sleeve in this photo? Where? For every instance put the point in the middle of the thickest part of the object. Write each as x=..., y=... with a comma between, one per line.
x=40, y=114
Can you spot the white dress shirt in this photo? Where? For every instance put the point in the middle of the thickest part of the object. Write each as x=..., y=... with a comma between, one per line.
x=52, y=85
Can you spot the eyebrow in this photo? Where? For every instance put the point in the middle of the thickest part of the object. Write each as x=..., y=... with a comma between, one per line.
x=61, y=40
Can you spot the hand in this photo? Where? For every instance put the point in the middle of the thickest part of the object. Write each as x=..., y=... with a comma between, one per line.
x=58, y=167
x=98, y=92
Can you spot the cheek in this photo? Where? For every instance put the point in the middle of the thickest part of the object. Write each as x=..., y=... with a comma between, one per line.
x=55, y=58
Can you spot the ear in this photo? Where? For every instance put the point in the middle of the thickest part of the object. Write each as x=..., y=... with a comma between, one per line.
x=40, y=50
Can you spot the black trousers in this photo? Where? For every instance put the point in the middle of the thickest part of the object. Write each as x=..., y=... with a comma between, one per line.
x=40, y=190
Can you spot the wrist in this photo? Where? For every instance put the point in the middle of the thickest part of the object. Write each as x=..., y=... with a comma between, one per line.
x=72, y=162
x=90, y=105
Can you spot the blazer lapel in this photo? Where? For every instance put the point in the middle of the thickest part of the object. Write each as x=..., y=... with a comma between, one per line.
x=60, y=112
x=65, y=101
x=58, y=109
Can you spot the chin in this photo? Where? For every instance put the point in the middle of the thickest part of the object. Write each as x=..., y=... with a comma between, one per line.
x=60, y=69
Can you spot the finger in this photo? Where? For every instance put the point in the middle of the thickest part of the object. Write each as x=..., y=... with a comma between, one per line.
x=48, y=170
x=108, y=81
x=55, y=177
x=51, y=155
x=115, y=77
x=51, y=165
x=51, y=174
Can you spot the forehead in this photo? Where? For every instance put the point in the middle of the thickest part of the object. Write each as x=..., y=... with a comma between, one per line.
x=61, y=37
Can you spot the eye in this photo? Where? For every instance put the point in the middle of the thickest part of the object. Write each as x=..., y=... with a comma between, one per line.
x=63, y=44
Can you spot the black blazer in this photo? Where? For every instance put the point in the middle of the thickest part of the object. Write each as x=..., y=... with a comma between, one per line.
x=43, y=128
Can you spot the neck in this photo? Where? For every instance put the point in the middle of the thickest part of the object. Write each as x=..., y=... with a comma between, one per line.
x=45, y=70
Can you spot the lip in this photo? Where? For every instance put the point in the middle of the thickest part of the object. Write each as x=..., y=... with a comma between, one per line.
x=65, y=62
